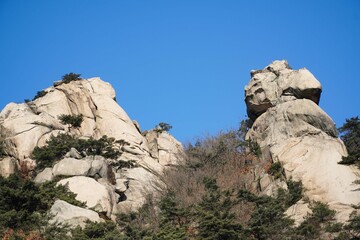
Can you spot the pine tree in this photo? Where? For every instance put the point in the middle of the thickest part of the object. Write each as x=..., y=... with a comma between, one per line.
x=350, y=134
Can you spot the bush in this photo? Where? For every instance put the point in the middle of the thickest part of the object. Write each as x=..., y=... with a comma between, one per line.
x=40, y=94
x=73, y=120
x=350, y=134
x=58, y=146
x=276, y=170
x=312, y=227
x=24, y=205
x=163, y=127
x=70, y=77
x=2, y=149
x=104, y=230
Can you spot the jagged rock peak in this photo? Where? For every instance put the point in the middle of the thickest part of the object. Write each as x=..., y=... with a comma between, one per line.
x=278, y=83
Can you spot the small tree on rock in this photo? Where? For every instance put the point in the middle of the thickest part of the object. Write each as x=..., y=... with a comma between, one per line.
x=71, y=77
x=73, y=120
x=163, y=127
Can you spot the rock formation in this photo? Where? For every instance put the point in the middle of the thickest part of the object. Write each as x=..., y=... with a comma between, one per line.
x=292, y=129
x=94, y=179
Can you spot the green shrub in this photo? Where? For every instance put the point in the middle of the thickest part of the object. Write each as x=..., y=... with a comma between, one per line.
x=163, y=127
x=24, y=205
x=350, y=134
x=313, y=226
x=58, y=146
x=93, y=230
x=295, y=189
x=40, y=94
x=321, y=212
x=276, y=170
x=124, y=164
x=55, y=148
x=73, y=120
x=70, y=77
x=2, y=149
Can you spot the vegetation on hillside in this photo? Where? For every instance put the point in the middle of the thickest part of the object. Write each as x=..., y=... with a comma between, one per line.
x=212, y=195
x=24, y=207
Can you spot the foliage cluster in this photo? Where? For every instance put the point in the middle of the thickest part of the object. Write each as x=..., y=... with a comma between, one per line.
x=350, y=134
x=276, y=170
x=39, y=94
x=69, y=77
x=58, y=146
x=163, y=127
x=24, y=205
x=73, y=120
x=2, y=149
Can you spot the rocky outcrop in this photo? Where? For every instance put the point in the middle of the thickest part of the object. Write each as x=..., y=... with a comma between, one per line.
x=278, y=83
x=106, y=185
x=164, y=147
x=292, y=129
x=31, y=124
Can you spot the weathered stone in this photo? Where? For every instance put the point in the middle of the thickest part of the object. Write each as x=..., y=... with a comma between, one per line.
x=121, y=185
x=45, y=175
x=140, y=184
x=278, y=83
x=7, y=166
x=99, y=167
x=66, y=213
x=73, y=153
x=298, y=212
x=164, y=147
x=97, y=196
x=72, y=167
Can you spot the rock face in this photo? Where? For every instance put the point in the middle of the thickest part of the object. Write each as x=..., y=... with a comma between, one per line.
x=291, y=128
x=278, y=83
x=164, y=147
x=104, y=184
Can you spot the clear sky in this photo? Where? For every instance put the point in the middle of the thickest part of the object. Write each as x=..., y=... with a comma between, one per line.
x=181, y=62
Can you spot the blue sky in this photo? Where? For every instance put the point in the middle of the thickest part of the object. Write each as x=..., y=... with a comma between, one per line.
x=181, y=62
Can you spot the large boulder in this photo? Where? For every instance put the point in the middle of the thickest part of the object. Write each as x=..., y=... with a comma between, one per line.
x=71, y=167
x=66, y=213
x=278, y=83
x=295, y=131
x=100, y=197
